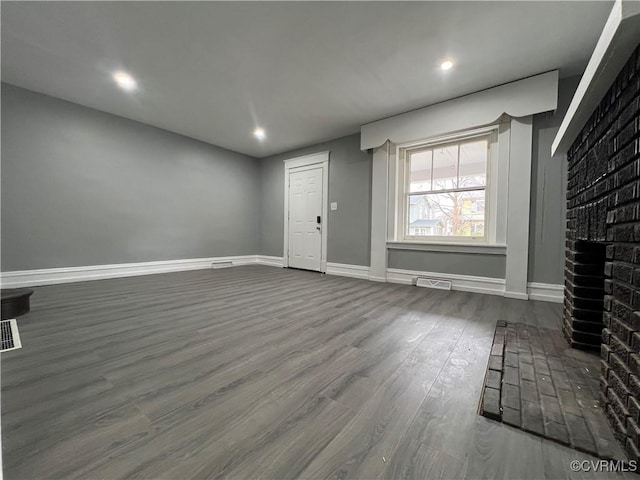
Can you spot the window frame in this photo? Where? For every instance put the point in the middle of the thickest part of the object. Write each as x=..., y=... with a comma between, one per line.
x=491, y=133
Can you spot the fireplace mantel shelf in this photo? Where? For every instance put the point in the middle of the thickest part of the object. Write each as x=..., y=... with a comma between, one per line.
x=618, y=40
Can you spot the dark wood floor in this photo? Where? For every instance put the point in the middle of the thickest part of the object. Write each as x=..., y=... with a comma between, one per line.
x=260, y=372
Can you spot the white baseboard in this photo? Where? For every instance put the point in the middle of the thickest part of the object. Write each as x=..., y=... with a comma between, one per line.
x=463, y=283
x=378, y=279
x=546, y=292
x=516, y=295
x=51, y=276
x=271, y=261
x=345, y=270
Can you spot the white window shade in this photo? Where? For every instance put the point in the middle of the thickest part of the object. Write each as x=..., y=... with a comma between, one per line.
x=522, y=98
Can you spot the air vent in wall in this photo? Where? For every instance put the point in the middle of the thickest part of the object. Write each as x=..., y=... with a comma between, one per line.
x=433, y=283
x=10, y=335
x=222, y=264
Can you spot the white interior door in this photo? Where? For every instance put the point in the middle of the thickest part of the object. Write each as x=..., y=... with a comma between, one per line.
x=305, y=218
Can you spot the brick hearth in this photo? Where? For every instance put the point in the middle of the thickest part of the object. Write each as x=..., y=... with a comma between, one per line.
x=536, y=382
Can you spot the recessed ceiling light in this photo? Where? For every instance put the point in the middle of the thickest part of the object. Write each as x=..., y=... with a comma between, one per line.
x=125, y=81
x=446, y=65
x=259, y=133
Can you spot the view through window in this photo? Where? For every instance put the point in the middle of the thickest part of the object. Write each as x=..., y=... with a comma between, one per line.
x=446, y=186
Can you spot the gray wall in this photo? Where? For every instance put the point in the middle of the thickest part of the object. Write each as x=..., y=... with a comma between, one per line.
x=350, y=186
x=82, y=187
x=548, y=193
x=349, y=227
x=477, y=264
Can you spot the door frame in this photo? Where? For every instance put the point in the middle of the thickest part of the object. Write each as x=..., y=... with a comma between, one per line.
x=315, y=160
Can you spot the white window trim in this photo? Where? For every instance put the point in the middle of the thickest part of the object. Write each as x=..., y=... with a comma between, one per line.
x=320, y=159
x=518, y=204
x=512, y=222
x=495, y=216
x=514, y=103
x=455, y=247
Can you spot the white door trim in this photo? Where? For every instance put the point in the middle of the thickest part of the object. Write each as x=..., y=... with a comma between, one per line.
x=320, y=159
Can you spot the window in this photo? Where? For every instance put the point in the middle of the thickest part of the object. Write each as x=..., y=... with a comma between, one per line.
x=445, y=193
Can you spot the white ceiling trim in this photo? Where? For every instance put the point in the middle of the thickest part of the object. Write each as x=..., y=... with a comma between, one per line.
x=518, y=99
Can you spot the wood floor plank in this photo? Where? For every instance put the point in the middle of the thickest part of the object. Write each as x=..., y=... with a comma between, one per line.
x=261, y=372
x=361, y=448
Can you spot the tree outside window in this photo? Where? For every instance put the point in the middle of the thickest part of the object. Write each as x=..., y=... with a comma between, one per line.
x=446, y=192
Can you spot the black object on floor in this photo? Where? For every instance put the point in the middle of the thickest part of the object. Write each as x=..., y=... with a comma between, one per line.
x=536, y=382
x=15, y=302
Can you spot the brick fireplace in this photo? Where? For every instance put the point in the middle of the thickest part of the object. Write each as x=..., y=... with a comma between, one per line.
x=602, y=269
x=584, y=293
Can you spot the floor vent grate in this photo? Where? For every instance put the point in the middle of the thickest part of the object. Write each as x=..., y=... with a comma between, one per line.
x=10, y=335
x=433, y=283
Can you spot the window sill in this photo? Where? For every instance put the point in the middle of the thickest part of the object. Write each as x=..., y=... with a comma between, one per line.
x=457, y=247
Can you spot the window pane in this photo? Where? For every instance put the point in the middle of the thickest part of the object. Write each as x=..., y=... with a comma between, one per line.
x=445, y=167
x=420, y=171
x=454, y=214
x=473, y=164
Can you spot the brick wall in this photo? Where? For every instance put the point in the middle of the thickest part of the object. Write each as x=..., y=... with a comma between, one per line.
x=603, y=205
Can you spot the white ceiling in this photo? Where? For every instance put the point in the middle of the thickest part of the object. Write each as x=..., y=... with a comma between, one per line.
x=306, y=72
